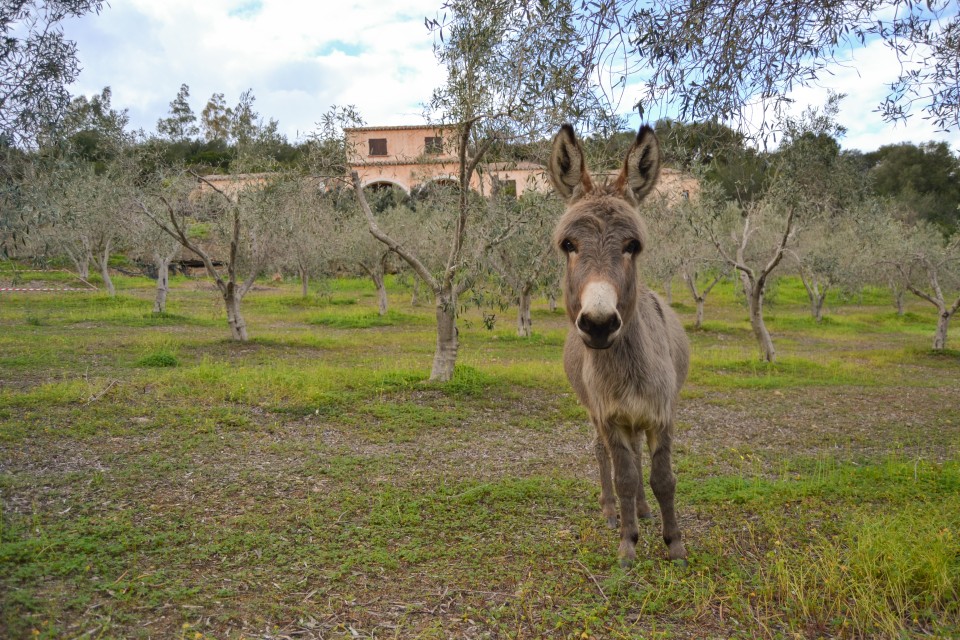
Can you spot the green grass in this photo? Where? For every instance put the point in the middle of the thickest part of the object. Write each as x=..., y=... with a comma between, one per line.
x=160, y=480
x=363, y=319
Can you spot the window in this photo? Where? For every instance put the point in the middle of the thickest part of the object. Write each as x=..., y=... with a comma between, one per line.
x=378, y=146
x=433, y=145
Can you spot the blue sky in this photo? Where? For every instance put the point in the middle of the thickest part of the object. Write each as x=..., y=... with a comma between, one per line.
x=302, y=57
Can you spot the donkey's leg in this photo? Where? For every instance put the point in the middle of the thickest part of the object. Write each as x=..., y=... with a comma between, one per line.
x=643, y=509
x=608, y=503
x=663, y=483
x=626, y=478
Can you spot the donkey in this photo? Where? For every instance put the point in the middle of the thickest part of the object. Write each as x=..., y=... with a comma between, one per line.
x=626, y=354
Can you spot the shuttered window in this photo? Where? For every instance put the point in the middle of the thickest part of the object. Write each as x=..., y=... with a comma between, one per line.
x=378, y=146
x=433, y=145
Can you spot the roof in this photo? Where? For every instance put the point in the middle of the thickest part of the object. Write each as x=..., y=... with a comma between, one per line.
x=402, y=127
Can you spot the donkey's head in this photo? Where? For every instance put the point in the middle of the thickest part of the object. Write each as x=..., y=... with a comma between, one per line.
x=601, y=234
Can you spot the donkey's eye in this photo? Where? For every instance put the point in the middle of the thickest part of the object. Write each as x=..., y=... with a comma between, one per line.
x=632, y=247
x=568, y=247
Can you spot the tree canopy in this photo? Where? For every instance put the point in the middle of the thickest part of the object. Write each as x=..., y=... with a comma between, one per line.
x=737, y=61
x=925, y=178
x=36, y=64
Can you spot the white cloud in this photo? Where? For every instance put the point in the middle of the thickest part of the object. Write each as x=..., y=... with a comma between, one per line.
x=865, y=80
x=298, y=57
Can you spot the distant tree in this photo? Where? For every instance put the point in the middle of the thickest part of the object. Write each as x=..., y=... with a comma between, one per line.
x=91, y=131
x=181, y=124
x=355, y=247
x=308, y=225
x=244, y=119
x=929, y=267
x=215, y=119
x=718, y=154
x=662, y=259
x=832, y=253
x=79, y=182
x=520, y=251
x=694, y=254
x=17, y=216
x=36, y=65
x=84, y=212
x=925, y=178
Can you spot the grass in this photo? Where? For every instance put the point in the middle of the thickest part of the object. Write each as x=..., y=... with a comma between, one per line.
x=159, y=480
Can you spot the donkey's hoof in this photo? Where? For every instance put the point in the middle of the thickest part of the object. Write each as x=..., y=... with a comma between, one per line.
x=645, y=516
x=680, y=562
x=612, y=522
x=627, y=553
x=677, y=553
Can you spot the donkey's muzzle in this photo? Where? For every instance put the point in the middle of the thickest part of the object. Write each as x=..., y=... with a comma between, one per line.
x=598, y=322
x=599, y=332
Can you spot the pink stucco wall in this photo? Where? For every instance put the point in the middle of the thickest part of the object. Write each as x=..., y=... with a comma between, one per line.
x=407, y=165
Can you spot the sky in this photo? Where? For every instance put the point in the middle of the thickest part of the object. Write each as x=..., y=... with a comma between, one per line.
x=300, y=57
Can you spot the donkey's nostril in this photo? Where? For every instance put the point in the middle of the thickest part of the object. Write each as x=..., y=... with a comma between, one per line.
x=599, y=328
x=614, y=323
x=584, y=324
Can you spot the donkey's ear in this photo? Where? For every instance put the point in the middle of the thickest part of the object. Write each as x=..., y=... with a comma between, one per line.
x=567, y=171
x=642, y=166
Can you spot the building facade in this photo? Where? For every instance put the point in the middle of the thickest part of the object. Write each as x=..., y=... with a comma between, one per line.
x=414, y=157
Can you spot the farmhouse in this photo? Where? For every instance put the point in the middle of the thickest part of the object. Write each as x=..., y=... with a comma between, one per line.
x=412, y=157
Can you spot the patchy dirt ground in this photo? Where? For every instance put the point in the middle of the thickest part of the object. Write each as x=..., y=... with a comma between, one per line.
x=419, y=510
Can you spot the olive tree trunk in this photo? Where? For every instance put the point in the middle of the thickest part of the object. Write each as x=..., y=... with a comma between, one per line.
x=760, y=331
x=163, y=284
x=524, y=321
x=238, y=327
x=304, y=281
x=376, y=273
x=445, y=357
x=103, y=259
x=700, y=297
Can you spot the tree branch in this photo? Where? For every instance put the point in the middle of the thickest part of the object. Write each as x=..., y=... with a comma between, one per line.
x=395, y=246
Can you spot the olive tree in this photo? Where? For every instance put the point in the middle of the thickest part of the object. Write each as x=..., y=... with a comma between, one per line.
x=519, y=248
x=691, y=251
x=929, y=267
x=240, y=221
x=37, y=64
x=832, y=253
x=307, y=237
x=234, y=234
x=85, y=212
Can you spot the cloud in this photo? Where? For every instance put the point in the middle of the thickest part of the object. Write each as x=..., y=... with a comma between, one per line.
x=865, y=78
x=299, y=58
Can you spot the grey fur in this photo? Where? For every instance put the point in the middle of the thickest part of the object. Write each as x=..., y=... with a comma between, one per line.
x=627, y=364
